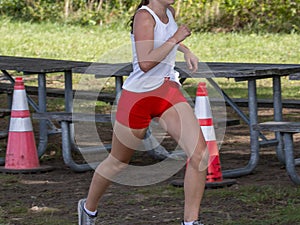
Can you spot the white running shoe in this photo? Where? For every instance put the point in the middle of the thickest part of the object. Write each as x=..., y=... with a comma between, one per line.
x=83, y=217
x=198, y=222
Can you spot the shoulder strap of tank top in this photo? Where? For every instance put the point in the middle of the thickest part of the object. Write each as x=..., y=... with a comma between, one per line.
x=151, y=12
x=170, y=15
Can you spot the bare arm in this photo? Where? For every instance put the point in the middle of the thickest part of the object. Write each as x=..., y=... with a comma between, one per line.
x=143, y=29
x=190, y=58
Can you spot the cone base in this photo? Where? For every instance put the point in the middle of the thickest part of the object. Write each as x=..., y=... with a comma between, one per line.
x=40, y=169
x=220, y=184
x=177, y=183
x=217, y=184
x=21, y=152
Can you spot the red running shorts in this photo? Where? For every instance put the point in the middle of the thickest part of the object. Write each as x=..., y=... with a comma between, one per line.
x=135, y=110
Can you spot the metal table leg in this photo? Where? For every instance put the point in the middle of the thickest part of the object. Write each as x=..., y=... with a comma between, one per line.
x=119, y=84
x=254, y=152
x=254, y=135
x=277, y=101
x=289, y=158
x=68, y=132
x=234, y=106
x=254, y=142
x=67, y=150
x=42, y=108
x=69, y=104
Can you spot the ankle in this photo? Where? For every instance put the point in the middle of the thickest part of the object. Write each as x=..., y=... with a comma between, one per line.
x=188, y=223
x=91, y=213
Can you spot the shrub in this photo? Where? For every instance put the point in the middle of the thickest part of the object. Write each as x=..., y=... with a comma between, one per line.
x=200, y=15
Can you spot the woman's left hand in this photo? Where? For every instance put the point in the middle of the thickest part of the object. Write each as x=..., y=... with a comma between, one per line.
x=192, y=61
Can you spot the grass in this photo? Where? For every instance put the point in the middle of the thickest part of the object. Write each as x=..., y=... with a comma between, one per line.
x=275, y=206
x=57, y=41
x=270, y=204
x=90, y=43
x=112, y=44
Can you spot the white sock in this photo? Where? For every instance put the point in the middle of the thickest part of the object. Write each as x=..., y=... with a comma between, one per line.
x=189, y=223
x=90, y=212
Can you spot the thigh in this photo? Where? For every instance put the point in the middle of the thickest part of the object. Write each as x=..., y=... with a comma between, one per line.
x=125, y=141
x=181, y=123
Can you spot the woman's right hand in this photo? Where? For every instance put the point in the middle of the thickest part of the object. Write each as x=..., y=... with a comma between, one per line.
x=182, y=33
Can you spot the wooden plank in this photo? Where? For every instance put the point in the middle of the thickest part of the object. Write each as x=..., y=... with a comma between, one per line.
x=240, y=71
x=226, y=122
x=291, y=127
x=38, y=65
x=101, y=70
x=76, y=117
x=268, y=103
x=295, y=76
x=73, y=117
x=60, y=93
x=262, y=103
x=206, y=69
x=110, y=97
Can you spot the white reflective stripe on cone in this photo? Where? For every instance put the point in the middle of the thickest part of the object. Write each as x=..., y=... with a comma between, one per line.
x=208, y=133
x=19, y=100
x=20, y=124
x=202, y=108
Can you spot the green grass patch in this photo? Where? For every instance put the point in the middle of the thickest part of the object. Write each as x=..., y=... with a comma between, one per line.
x=71, y=42
x=112, y=44
x=56, y=41
x=272, y=205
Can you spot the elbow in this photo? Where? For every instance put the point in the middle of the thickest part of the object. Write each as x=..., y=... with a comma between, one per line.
x=146, y=66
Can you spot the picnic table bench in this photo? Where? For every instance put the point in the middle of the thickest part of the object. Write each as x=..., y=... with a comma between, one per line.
x=287, y=130
x=66, y=119
x=60, y=93
x=110, y=97
x=295, y=76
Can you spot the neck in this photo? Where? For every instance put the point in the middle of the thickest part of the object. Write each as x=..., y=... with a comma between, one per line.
x=159, y=8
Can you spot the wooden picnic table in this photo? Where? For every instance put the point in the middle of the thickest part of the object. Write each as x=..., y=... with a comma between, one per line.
x=41, y=67
x=249, y=72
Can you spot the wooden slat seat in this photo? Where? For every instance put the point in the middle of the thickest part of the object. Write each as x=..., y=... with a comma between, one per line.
x=288, y=127
x=287, y=130
x=60, y=93
x=73, y=117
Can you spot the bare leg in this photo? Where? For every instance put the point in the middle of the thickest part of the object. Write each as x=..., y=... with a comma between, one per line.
x=117, y=160
x=181, y=123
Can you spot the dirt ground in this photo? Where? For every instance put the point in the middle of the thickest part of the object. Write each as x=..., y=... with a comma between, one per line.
x=51, y=198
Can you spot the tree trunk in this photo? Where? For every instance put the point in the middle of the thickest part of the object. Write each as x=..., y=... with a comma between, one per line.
x=178, y=8
x=99, y=7
x=90, y=4
x=67, y=8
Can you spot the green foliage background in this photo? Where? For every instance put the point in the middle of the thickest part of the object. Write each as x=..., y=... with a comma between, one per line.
x=201, y=15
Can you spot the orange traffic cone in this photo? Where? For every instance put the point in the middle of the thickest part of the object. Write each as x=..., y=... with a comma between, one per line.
x=203, y=113
x=21, y=152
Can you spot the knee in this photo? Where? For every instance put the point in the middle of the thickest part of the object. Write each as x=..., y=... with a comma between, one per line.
x=111, y=166
x=199, y=160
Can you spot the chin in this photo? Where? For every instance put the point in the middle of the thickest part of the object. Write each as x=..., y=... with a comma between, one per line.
x=169, y=2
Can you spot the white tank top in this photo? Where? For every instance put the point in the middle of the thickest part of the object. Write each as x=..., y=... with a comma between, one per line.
x=139, y=81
